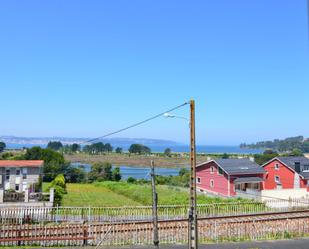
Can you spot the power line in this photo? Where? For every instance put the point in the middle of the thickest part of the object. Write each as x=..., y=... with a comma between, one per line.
x=136, y=124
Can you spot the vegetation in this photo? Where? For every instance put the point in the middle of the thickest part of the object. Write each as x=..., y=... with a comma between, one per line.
x=98, y=148
x=103, y=172
x=71, y=148
x=2, y=146
x=54, y=145
x=265, y=157
x=168, y=152
x=128, y=194
x=284, y=145
x=54, y=162
x=92, y=195
x=118, y=150
x=59, y=186
x=139, y=149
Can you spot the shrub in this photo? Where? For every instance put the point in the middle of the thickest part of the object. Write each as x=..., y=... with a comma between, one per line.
x=131, y=180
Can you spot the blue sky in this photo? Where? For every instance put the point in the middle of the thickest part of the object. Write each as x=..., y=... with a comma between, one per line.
x=85, y=68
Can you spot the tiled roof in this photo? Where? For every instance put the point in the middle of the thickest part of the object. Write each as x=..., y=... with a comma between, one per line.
x=238, y=166
x=248, y=180
x=21, y=163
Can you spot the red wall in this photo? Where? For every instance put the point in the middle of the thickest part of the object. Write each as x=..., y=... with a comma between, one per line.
x=220, y=181
x=286, y=176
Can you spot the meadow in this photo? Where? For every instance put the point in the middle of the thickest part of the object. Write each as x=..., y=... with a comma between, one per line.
x=127, y=194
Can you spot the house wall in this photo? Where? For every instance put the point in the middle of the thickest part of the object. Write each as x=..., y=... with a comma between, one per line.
x=232, y=178
x=286, y=175
x=32, y=174
x=221, y=183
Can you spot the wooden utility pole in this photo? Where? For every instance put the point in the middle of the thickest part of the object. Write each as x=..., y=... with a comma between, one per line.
x=193, y=239
x=154, y=207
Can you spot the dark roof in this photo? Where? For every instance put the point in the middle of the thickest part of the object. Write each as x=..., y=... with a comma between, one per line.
x=291, y=160
x=239, y=166
x=248, y=180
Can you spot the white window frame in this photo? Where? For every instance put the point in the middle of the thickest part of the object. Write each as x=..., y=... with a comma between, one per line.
x=17, y=185
x=277, y=166
x=7, y=174
x=212, y=183
x=18, y=169
x=198, y=180
x=277, y=181
x=212, y=170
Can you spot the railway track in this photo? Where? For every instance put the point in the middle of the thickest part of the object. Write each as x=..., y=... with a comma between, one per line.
x=233, y=218
x=79, y=233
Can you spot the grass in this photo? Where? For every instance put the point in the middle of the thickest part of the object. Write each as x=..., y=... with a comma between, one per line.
x=167, y=195
x=124, y=194
x=96, y=196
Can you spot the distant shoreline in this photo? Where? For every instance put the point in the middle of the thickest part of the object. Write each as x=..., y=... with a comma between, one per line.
x=209, y=149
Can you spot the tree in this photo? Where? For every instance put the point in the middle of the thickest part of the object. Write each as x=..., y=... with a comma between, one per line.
x=75, y=175
x=75, y=147
x=139, y=149
x=54, y=145
x=116, y=175
x=108, y=147
x=54, y=162
x=118, y=150
x=2, y=146
x=101, y=172
x=265, y=157
x=225, y=156
x=296, y=152
x=183, y=171
x=131, y=180
x=168, y=152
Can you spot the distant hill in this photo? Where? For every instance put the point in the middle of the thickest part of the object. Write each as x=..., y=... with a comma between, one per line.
x=284, y=145
x=120, y=142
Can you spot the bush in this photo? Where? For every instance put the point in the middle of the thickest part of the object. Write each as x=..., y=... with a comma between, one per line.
x=131, y=180
x=59, y=181
x=59, y=186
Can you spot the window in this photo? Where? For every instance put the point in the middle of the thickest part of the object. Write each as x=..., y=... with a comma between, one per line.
x=220, y=171
x=17, y=187
x=7, y=174
x=198, y=180
x=212, y=169
x=277, y=166
x=277, y=179
x=306, y=168
x=18, y=172
x=24, y=176
x=212, y=183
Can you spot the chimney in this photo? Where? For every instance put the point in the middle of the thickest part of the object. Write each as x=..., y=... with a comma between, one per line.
x=297, y=167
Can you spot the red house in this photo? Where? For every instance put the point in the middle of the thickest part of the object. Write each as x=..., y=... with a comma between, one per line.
x=230, y=177
x=287, y=173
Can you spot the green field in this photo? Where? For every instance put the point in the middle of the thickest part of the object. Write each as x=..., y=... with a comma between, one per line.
x=125, y=194
x=91, y=195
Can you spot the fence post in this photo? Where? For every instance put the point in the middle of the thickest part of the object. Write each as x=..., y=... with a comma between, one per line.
x=85, y=234
x=51, y=195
